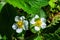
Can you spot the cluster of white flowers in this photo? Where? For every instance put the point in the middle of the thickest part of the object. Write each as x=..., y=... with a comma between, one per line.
x=22, y=24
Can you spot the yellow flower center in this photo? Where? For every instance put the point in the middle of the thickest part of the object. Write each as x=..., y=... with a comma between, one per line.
x=38, y=23
x=20, y=24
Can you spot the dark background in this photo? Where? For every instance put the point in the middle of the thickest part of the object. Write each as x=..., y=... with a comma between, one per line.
x=6, y=20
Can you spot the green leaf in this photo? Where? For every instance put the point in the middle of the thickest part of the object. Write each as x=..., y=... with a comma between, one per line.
x=58, y=31
x=20, y=36
x=53, y=0
x=0, y=37
x=1, y=5
x=30, y=6
x=52, y=4
x=58, y=7
x=52, y=36
x=4, y=37
x=32, y=29
x=38, y=38
x=42, y=13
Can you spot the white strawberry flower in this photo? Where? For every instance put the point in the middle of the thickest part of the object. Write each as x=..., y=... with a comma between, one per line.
x=38, y=23
x=20, y=25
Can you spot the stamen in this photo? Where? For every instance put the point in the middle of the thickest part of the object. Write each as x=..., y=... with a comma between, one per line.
x=20, y=24
x=38, y=23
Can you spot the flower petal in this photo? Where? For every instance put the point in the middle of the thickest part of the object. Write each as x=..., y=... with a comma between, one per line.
x=32, y=21
x=14, y=26
x=24, y=27
x=43, y=19
x=17, y=18
x=36, y=16
x=43, y=25
x=19, y=30
x=26, y=24
x=22, y=18
x=36, y=28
